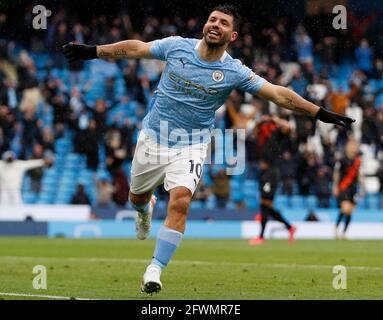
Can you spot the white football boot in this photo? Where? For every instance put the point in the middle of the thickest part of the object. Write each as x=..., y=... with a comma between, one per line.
x=144, y=220
x=151, y=280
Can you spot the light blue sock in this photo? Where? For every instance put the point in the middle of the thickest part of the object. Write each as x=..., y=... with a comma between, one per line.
x=167, y=242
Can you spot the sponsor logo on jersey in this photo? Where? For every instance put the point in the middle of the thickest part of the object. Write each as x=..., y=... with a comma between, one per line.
x=190, y=87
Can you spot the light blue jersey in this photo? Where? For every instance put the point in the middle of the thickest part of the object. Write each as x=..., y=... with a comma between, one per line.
x=191, y=90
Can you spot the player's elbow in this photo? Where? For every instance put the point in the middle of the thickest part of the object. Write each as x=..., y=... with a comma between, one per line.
x=279, y=95
x=141, y=49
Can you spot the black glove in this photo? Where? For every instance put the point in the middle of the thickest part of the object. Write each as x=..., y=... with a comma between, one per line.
x=75, y=52
x=332, y=117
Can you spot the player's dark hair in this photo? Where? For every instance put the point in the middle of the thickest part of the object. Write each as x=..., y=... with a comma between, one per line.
x=231, y=11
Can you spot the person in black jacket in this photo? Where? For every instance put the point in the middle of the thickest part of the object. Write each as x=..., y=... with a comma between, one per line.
x=91, y=145
x=80, y=197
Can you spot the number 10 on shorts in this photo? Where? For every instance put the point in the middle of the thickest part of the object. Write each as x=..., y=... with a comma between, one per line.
x=197, y=168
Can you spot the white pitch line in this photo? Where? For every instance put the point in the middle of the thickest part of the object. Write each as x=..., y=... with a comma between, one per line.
x=189, y=262
x=11, y=294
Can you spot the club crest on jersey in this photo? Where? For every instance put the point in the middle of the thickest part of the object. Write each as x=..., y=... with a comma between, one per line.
x=217, y=76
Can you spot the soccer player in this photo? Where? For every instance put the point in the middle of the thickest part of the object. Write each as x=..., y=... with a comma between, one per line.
x=272, y=131
x=347, y=177
x=198, y=77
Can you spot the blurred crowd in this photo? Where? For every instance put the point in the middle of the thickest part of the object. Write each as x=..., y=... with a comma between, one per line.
x=340, y=71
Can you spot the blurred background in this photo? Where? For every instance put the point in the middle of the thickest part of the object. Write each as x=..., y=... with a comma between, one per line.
x=85, y=116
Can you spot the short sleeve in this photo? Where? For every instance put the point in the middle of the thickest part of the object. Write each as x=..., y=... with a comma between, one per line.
x=249, y=81
x=160, y=48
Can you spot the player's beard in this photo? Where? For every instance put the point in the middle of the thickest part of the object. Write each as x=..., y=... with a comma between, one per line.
x=216, y=44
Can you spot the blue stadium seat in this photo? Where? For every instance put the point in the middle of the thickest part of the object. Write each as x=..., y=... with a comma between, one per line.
x=235, y=185
x=311, y=202
x=196, y=205
x=231, y=205
x=252, y=203
x=333, y=203
x=29, y=197
x=373, y=201
x=238, y=196
x=251, y=184
x=297, y=201
x=281, y=201
x=210, y=204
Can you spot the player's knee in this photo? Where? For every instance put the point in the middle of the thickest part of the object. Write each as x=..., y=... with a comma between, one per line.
x=180, y=205
x=139, y=198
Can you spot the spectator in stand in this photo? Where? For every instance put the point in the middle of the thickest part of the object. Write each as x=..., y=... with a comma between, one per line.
x=4, y=145
x=304, y=46
x=340, y=100
x=306, y=174
x=127, y=134
x=36, y=174
x=76, y=102
x=8, y=94
x=121, y=188
x=99, y=114
x=326, y=49
x=48, y=139
x=380, y=130
x=364, y=56
x=288, y=173
x=27, y=82
x=380, y=177
x=61, y=37
x=31, y=132
x=104, y=192
x=7, y=124
x=202, y=192
x=76, y=68
x=91, y=146
x=322, y=187
x=115, y=161
x=220, y=187
x=370, y=127
x=61, y=113
x=251, y=155
x=80, y=196
x=79, y=124
x=11, y=176
x=299, y=83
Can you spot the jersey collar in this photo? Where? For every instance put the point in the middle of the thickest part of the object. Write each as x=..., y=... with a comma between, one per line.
x=223, y=57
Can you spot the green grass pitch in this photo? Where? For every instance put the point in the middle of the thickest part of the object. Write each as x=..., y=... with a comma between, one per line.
x=201, y=269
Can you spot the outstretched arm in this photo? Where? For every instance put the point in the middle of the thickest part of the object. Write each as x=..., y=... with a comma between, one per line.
x=128, y=49
x=288, y=99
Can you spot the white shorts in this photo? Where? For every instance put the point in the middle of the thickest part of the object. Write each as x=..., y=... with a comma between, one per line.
x=154, y=164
